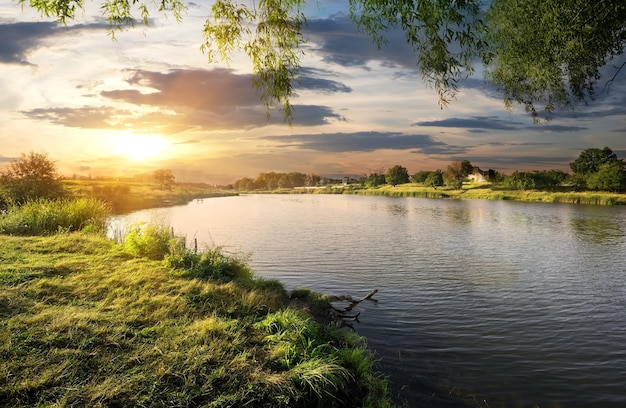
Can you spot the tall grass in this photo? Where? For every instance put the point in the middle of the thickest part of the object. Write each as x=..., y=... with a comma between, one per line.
x=52, y=216
x=158, y=242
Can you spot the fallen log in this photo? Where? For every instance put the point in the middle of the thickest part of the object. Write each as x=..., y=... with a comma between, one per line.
x=341, y=315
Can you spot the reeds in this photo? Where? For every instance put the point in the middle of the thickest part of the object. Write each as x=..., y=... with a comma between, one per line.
x=52, y=216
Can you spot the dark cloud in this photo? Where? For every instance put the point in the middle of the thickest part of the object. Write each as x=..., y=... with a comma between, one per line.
x=482, y=124
x=187, y=99
x=17, y=40
x=218, y=97
x=218, y=90
x=340, y=42
x=504, y=144
x=361, y=142
x=309, y=79
x=555, y=128
x=477, y=122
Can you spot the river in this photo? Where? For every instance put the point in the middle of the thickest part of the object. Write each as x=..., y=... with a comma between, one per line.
x=479, y=303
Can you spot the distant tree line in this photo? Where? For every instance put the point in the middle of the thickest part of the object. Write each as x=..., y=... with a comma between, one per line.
x=273, y=180
x=594, y=169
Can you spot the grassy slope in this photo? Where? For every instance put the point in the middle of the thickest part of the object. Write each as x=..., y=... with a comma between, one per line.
x=84, y=324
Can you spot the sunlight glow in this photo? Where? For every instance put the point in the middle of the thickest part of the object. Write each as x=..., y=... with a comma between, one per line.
x=141, y=147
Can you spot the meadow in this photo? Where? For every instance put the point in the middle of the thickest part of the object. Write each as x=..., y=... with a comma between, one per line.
x=87, y=321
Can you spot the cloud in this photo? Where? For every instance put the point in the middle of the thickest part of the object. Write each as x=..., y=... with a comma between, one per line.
x=361, y=142
x=217, y=98
x=477, y=122
x=106, y=117
x=488, y=123
x=308, y=79
x=340, y=42
x=18, y=40
x=180, y=100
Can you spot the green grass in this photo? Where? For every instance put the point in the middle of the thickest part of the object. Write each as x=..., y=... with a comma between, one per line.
x=85, y=321
x=52, y=216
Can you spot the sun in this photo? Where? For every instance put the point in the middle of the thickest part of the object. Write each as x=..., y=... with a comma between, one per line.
x=141, y=147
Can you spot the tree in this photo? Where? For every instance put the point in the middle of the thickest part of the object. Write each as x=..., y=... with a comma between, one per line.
x=434, y=179
x=590, y=160
x=245, y=184
x=397, y=175
x=588, y=164
x=420, y=176
x=466, y=168
x=546, y=53
x=375, y=179
x=313, y=180
x=609, y=177
x=164, y=177
x=30, y=177
x=457, y=172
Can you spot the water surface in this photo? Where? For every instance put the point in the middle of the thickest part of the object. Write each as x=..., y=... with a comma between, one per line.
x=480, y=303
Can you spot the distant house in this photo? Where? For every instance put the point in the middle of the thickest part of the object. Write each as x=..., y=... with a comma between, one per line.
x=478, y=175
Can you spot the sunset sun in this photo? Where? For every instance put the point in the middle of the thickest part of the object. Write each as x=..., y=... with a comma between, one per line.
x=141, y=147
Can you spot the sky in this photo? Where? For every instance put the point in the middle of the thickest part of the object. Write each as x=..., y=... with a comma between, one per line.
x=150, y=100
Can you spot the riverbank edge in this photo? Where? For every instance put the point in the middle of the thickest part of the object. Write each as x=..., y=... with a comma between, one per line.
x=469, y=191
x=69, y=253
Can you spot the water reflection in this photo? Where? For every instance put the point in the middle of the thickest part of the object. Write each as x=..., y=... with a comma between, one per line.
x=597, y=230
x=397, y=210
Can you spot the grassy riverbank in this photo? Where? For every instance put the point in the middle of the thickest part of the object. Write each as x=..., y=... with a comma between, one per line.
x=85, y=321
x=127, y=196
x=478, y=191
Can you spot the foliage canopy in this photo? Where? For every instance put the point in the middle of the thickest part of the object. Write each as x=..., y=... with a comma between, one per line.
x=599, y=169
x=397, y=175
x=539, y=53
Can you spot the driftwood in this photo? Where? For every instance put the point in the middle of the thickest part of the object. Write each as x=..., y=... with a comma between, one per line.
x=342, y=315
